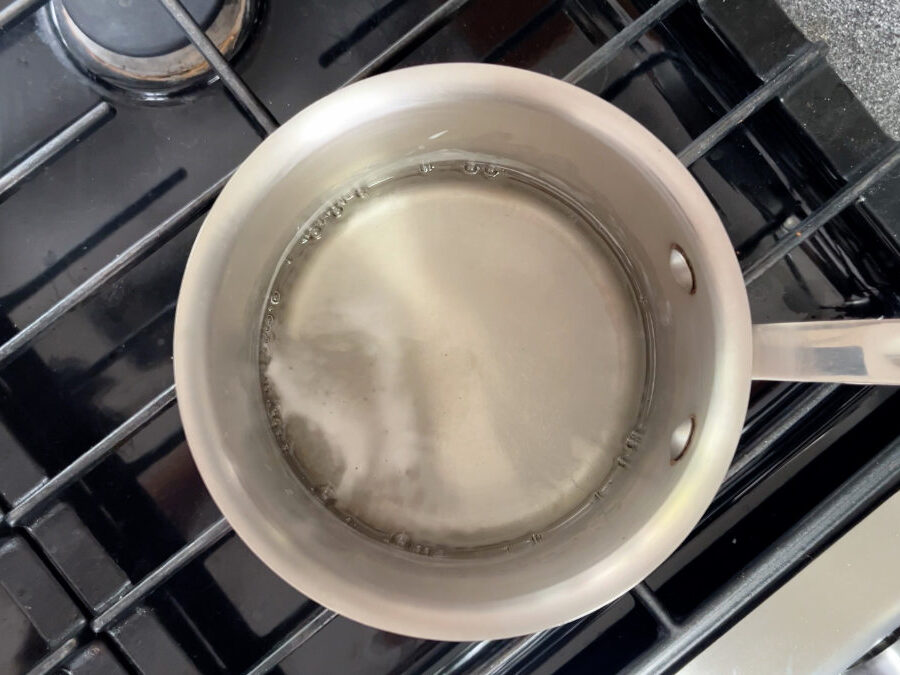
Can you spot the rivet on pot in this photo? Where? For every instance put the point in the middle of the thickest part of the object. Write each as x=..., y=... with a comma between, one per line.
x=681, y=438
x=681, y=269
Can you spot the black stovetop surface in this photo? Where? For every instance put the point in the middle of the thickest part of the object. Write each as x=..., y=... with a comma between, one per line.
x=70, y=555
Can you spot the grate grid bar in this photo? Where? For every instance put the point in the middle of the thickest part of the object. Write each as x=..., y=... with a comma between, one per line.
x=123, y=262
x=612, y=47
x=308, y=627
x=93, y=456
x=788, y=73
x=52, y=661
x=99, y=114
x=778, y=429
x=205, y=540
x=505, y=660
x=651, y=603
x=16, y=10
x=408, y=41
x=813, y=222
x=232, y=81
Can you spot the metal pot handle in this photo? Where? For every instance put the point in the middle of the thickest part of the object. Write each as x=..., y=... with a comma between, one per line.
x=863, y=351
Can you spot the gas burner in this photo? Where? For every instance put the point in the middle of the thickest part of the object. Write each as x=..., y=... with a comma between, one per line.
x=137, y=46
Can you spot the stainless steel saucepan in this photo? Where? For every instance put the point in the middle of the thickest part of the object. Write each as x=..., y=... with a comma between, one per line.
x=463, y=352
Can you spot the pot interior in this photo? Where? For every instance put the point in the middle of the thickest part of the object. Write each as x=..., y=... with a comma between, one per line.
x=454, y=356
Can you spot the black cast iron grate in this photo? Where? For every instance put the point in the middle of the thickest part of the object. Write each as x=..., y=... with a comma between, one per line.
x=774, y=434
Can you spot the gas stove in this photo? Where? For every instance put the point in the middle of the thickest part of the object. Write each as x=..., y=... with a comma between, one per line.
x=119, y=124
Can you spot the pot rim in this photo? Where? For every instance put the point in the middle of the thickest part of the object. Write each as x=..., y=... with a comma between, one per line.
x=595, y=585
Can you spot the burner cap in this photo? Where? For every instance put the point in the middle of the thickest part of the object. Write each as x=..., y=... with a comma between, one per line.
x=137, y=45
x=137, y=27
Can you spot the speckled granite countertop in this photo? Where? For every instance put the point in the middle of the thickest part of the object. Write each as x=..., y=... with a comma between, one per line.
x=864, y=41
